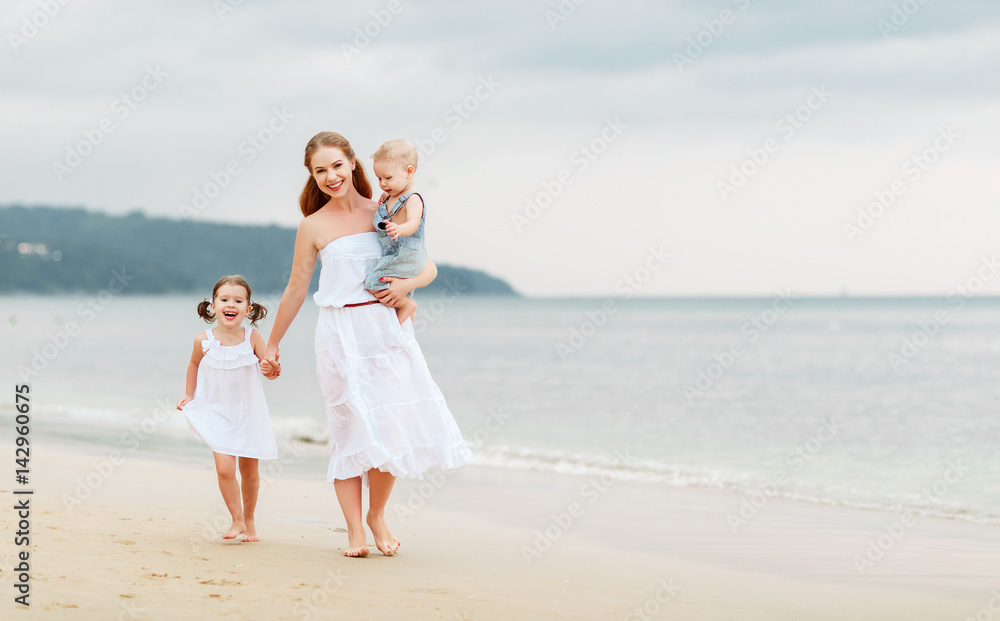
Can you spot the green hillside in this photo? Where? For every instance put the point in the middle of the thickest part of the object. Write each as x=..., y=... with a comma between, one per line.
x=60, y=250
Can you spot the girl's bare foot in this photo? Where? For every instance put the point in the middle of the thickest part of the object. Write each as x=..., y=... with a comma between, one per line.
x=235, y=530
x=384, y=541
x=357, y=546
x=250, y=534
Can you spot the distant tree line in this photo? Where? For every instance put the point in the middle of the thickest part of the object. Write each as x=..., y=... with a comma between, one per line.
x=65, y=250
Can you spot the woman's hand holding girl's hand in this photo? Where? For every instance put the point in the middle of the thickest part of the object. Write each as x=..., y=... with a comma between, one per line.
x=269, y=366
x=398, y=288
x=184, y=401
x=270, y=370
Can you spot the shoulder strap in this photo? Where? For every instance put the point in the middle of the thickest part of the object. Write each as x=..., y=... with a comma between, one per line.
x=249, y=331
x=208, y=335
x=402, y=201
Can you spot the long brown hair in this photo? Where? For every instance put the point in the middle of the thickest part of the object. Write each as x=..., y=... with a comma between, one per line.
x=312, y=198
x=257, y=311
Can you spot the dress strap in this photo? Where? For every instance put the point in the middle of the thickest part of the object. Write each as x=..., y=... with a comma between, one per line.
x=249, y=331
x=208, y=335
x=402, y=201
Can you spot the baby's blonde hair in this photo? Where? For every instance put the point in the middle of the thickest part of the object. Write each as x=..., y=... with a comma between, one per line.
x=397, y=150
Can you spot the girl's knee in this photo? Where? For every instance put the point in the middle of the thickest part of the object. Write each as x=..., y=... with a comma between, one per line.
x=226, y=473
x=249, y=470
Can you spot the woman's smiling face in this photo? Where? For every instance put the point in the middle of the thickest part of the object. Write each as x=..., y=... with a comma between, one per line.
x=332, y=171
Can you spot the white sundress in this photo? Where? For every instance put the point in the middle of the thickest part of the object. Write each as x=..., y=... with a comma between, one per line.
x=228, y=411
x=383, y=408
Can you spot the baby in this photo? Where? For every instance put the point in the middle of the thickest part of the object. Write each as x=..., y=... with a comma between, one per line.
x=399, y=221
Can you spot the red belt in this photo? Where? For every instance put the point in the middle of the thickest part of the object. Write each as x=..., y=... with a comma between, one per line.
x=361, y=304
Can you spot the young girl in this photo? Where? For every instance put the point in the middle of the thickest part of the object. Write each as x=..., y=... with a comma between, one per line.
x=399, y=221
x=224, y=399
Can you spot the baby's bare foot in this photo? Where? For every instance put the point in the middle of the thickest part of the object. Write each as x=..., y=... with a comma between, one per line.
x=384, y=541
x=406, y=311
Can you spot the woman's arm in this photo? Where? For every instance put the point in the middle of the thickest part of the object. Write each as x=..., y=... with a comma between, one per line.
x=192, y=372
x=399, y=287
x=303, y=264
x=260, y=350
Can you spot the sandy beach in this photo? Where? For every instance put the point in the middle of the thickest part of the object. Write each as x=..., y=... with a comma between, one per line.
x=480, y=543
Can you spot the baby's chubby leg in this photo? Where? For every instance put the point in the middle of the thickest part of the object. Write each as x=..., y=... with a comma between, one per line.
x=405, y=309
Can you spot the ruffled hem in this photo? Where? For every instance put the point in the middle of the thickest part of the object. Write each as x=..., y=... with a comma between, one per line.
x=243, y=453
x=411, y=464
x=207, y=435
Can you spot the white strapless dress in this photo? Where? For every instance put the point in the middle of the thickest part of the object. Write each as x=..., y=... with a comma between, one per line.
x=383, y=409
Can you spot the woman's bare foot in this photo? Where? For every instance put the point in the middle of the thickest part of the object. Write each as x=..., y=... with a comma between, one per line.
x=235, y=530
x=357, y=546
x=384, y=541
x=250, y=534
x=406, y=310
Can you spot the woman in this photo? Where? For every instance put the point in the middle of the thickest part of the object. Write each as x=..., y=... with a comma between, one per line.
x=386, y=416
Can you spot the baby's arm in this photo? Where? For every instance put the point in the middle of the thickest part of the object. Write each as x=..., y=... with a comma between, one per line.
x=192, y=371
x=270, y=371
x=414, y=211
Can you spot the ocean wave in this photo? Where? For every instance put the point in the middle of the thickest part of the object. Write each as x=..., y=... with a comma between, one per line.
x=625, y=468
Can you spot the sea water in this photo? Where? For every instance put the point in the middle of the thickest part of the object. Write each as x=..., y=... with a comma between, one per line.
x=870, y=403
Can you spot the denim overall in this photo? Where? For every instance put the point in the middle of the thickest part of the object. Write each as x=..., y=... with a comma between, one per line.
x=403, y=258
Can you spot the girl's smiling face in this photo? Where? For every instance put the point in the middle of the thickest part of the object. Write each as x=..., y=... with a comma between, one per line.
x=231, y=305
x=332, y=171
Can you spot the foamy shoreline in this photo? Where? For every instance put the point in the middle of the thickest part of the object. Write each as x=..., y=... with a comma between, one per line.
x=481, y=543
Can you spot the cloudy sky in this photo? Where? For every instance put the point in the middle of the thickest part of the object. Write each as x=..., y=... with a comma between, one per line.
x=822, y=146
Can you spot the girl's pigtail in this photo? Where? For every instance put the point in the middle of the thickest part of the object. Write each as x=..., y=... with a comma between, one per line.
x=259, y=312
x=205, y=312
